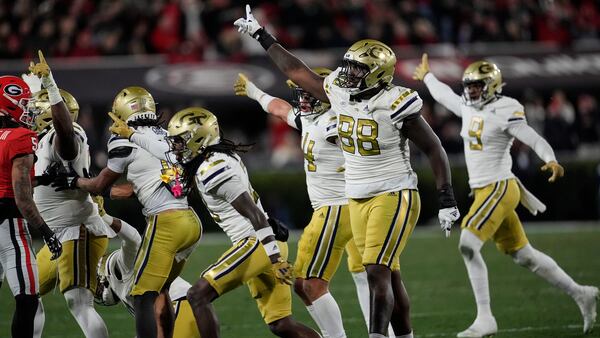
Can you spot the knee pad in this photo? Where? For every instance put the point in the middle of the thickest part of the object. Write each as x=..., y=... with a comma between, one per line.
x=78, y=298
x=469, y=244
x=525, y=257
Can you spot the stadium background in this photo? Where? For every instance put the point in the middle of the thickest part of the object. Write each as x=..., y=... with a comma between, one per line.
x=187, y=52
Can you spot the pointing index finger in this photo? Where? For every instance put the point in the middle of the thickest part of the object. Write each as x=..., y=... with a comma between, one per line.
x=248, y=11
x=41, y=56
x=114, y=117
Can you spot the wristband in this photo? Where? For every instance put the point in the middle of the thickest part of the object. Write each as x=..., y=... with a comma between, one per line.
x=446, y=196
x=108, y=219
x=264, y=101
x=53, y=91
x=271, y=248
x=264, y=38
x=263, y=233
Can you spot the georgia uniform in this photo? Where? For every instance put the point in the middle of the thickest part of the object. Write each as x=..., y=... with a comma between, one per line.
x=322, y=243
x=72, y=216
x=173, y=229
x=488, y=134
x=16, y=252
x=221, y=178
x=380, y=183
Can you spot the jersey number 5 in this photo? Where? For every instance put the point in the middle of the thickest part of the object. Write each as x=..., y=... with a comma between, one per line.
x=366, y=132
x=475, y=130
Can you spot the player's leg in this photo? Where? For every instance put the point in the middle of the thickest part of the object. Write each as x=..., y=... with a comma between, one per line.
x=77, y=275
x=18, y=261
x=185, y=323
x=491, y=206
x=511, y=239
x=320, y=251
x=164, y=315
x=47, y=273
x=391, y=219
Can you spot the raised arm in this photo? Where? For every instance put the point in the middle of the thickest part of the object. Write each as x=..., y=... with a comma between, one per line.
x=420, y=133
x=440, y=91
x=66, y=144
x=21, y=183
x=290, y=65
x=272, y=105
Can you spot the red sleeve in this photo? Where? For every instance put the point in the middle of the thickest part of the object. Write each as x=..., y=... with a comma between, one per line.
x=24, y=143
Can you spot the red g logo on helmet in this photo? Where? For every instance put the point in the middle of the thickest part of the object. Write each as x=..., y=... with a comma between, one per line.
x=13, y=90
x=14, y=97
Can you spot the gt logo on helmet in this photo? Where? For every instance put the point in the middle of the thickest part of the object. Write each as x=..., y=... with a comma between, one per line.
x=13, y=90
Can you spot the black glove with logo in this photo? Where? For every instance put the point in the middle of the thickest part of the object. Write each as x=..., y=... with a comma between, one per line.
x=51, y=241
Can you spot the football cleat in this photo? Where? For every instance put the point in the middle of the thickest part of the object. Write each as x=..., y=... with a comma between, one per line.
x=586, y=300
x=481, y=327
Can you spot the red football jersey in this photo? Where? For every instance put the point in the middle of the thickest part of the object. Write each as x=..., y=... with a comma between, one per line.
x=14, y=142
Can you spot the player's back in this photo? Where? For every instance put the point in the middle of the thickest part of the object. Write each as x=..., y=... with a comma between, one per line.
x=376, y=153
x=144, y=172
x=14, y=142
x=216, y=169
x=486, y=142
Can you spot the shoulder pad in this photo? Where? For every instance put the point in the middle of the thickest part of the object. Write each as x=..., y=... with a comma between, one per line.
x=120, y=152
x=117, y=141
x=215, y=169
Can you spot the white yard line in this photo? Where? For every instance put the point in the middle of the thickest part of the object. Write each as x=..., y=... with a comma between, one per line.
x=511, y=330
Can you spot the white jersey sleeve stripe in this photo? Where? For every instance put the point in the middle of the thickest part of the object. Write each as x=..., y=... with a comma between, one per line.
x=403, y=108
x=213, y=175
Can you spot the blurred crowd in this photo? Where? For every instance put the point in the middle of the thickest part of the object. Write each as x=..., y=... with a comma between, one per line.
x=193, y=30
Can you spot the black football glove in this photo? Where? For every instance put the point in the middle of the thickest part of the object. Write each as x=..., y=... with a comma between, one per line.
x=49, y=175
x=51, y=241
x=65, y=181
x=279, y=229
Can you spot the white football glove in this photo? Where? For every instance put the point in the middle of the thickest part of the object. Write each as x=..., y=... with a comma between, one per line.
x=447, y=217
x=249, y=24
x=34, y=82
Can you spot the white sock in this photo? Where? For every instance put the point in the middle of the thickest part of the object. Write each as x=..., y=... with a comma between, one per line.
x=471, y=251
x=39, y=320
x=408, y=335
x=80, y=302
x=362, y=291
x=315, y=317
x=545, y=267
x=328, y=311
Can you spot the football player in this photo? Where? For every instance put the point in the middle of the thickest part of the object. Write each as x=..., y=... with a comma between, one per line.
x=173, y=229
x=70, y=213
x=116, y=274
x=18, y=144
x=210, y=164
x=375, y=121
x=490, y=124
x=323, y=240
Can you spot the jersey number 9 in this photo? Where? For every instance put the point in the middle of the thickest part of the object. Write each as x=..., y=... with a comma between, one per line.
x=475, y=130
x=366, y=132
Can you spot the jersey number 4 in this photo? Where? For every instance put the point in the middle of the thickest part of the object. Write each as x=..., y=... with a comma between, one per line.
x=475, y=130
x=366, y=135
x=307, y=149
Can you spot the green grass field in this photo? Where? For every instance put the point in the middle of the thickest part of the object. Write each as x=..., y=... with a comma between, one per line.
x=442, y=303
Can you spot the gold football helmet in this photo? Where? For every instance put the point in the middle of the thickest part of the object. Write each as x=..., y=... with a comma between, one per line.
x=367, y=64
x=43, y=116
x=134, y=103
x=304, y=103
x=190, y=131
x=490, y=77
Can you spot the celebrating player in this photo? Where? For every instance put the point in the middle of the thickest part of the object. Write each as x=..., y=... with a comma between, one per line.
x=17, y=150
x=70, y=213
x=116, y=276
x=490, y=124
x=173, y=230
x=322, y=243
x=375, y=121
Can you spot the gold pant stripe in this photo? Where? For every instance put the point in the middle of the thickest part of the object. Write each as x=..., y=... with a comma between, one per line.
x=240, y=246
x=387, y=254
x=476, y=220
x=238, y=259
x=325, y=243
x=147, y=248
x=489, y=213
x=484, y=204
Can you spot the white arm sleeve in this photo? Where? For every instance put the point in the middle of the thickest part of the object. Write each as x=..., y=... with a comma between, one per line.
x=151, y=144
x=524, y=133
x=130, y=242
x=442, y=93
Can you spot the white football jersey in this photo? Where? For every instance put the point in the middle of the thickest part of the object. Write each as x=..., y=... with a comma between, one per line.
x=144, y=171
x=484, y=131
x=66, y=210
x=377, y=157
x=217, y=169
x=323, y=158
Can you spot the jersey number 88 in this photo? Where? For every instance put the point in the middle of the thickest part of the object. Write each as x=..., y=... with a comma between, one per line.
x=366, y=134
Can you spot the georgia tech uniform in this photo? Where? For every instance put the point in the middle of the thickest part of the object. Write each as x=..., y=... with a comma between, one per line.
x=173, y=229
x=73, y=216
x=487, y=141
x=380, y=183
x=120, y=274
x=322, y=243
x=221, y=178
